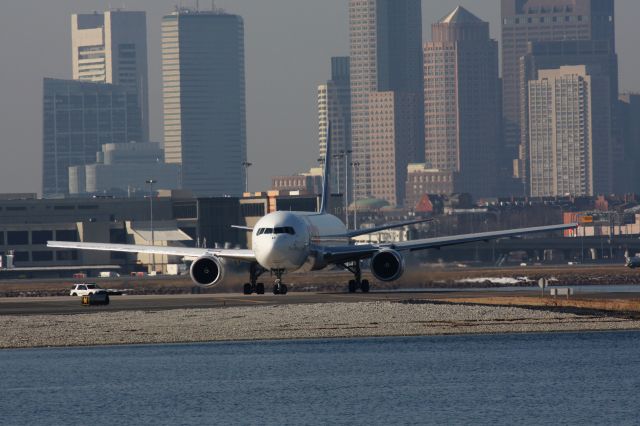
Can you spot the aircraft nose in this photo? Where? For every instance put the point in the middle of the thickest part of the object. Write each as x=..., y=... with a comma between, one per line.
x=273, y=251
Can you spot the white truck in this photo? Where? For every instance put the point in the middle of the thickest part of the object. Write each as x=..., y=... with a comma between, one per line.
x=84, y=289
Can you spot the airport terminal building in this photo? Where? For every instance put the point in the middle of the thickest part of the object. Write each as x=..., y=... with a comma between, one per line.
x=27, y=223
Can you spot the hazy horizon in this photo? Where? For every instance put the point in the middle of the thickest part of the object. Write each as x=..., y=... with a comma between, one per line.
x=288, y=46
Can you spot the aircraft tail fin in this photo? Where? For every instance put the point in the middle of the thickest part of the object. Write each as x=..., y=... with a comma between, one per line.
x=326, y=173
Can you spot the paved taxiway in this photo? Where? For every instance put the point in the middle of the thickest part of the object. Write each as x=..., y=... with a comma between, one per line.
x=72, y=305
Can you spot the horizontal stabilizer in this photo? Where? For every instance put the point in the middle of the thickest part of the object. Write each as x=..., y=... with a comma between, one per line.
x=244, y=228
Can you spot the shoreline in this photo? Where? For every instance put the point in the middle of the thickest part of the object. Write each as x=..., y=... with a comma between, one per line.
x=299, y=321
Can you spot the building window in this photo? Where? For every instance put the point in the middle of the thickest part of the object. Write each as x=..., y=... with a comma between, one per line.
x=41, y=237
x=185, y=211
x=21, y=256
x=67, y=235
x=67, y=255
x=17, y=238
x=42, y=256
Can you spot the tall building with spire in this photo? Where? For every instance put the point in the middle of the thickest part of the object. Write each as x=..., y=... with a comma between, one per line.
x=462, y=102
x=386, y=71
x=111, y=47
x=203, y=78
x=525, y=21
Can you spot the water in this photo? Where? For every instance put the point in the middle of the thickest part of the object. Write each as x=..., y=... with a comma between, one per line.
x=561, y=378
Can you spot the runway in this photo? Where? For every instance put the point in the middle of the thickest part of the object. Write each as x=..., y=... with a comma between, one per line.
x=72, y=305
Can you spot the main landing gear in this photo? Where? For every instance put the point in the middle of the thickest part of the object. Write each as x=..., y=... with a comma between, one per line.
x=254, y=287
x=279, y=287
x=358, y=282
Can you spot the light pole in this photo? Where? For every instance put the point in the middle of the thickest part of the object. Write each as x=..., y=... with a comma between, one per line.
x=246, y=166
x=153, y=240
x=355, y=165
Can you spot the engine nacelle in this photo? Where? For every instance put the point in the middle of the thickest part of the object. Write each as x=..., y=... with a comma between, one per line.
x=387, y=265
x=207, y=271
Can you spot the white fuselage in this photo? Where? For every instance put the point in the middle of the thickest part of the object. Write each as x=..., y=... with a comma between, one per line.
x=294, y=240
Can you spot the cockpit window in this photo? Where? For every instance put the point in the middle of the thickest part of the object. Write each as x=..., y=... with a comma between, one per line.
x=284, y=230
x=278, y=230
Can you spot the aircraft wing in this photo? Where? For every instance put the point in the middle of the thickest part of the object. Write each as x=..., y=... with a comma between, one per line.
x=341, y=254
x=366, y=231
x=438, y=242
x=236, y=254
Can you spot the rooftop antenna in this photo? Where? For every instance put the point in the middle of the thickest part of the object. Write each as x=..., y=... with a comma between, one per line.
x=197, y=5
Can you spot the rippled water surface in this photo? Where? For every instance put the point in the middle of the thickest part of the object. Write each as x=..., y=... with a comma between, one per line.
x=561, y=378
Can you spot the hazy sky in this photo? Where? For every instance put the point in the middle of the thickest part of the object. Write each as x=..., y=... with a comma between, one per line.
x=288, y=48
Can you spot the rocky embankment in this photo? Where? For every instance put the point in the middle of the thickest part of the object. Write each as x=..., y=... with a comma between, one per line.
x=305, y=321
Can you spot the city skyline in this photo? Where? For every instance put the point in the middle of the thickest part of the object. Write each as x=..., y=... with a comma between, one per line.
x=281, y=83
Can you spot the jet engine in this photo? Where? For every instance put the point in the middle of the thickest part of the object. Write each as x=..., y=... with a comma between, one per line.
x=209, y=271
x=387, y=265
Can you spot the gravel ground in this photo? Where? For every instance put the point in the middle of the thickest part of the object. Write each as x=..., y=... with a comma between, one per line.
x=325, y=320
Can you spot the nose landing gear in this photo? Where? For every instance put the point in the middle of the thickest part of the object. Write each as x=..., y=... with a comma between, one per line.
x=279, y=287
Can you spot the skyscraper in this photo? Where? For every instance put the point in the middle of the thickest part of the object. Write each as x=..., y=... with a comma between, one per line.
x=111, y=47
x=569, y=133
x=386, y=56
x=462, y=103
x=629, y=120
x=601, y=62
x=78, y=118
x=334, y=105
x=525, y=21
x=203, y=80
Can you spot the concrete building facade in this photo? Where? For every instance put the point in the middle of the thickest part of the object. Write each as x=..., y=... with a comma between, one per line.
x=78, y=118
x=629, y=121
x=203, y=78
x=601, y=60
x=525, y=21
x=386, y=56
x=570, y=149
x=334, y=105
x=111, y=47
x=123, y=170
x=422, y=180
x=462, y=103
x=393, y=119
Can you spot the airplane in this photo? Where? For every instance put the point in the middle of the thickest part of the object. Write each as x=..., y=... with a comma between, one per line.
x=632, y=262
x=288, y=241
